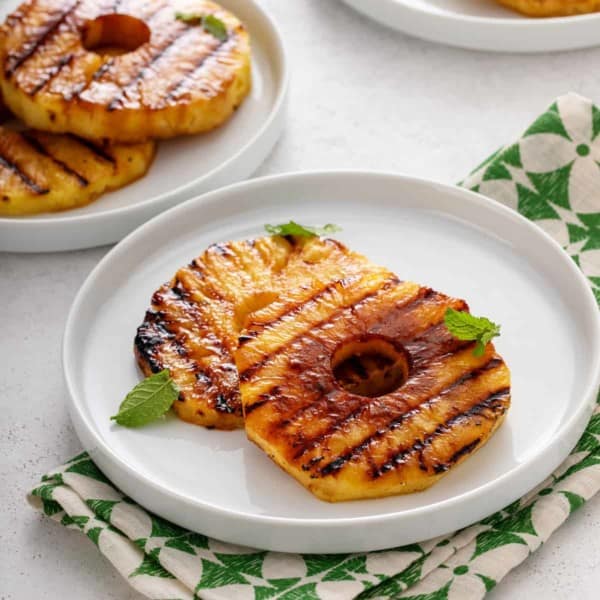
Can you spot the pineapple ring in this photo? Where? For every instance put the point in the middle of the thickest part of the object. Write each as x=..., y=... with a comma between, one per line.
x=47, y=172
x=60, y=71
x=195, y=322
x=368, y=437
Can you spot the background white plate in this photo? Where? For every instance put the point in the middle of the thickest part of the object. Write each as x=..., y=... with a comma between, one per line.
x=461, y=243
x=184, y=167
x=482, y=25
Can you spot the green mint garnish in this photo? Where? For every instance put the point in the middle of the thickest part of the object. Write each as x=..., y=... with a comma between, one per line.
x=464, y=326
x=189, y=18
x=293, y=228
x=215, y=26
x=210, y=23
x=147, y=401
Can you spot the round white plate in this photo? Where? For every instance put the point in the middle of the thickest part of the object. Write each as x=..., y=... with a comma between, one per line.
x=482, y=25
x=184, y=167
x=463, y=244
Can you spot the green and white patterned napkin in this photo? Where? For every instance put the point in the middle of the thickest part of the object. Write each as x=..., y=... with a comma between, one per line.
x=552, y=176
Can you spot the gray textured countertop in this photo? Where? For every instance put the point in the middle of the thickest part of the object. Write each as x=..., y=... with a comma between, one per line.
x=362, y=97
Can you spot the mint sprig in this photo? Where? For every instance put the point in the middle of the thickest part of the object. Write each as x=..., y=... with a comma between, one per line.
x=464, y=326
x=147, y=401
x=293, y=228
x=210, y=23
x=215, y=26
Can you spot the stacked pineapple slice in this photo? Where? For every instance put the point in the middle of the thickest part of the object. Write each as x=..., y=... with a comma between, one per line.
x=46, y=172
x=92, y=69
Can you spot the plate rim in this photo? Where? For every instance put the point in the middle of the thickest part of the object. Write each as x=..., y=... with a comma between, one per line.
x=23, y=225
x=76, y=408
x=475, y=24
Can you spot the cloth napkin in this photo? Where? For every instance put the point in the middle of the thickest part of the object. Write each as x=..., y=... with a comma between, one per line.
x=550, y=175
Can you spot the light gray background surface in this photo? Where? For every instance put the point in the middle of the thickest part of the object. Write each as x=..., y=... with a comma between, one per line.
x=362, y=97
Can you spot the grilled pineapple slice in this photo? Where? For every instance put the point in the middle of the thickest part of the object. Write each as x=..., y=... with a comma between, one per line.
x=358, y=390
x=552, y=8
x=45, y=172
x=181, y=80
x=195, y=320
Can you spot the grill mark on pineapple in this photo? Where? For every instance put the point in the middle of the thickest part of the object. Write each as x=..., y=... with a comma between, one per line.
x=395, y=322
x=396, y=422
x=224, y=405
x=104, y=67
x=35, y=187
x=435, y=342
x=31, y=46
x=252, y=407
x=466, y=449
x=195, y=70
x=174, y=297
x=76, y=91
x=98, y=151
x=149, y=337
x=314, y=441
x=209, y=290
x=192, y=310
x=173, y=41
x=53, y=71
x=445, y=347
x=494, y=401
x=295, y=308
x=397, y=458
x=257, y=366
x=182, y=295
x=221, y=399
x=222, y=249
x=42, y=150
x=224, y=399
x=356, y=411
x=156, y=333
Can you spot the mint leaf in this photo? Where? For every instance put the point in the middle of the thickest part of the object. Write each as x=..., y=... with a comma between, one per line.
x=147, y=401
x=464, y=326
x=215, y=26
x=189, y=18
x=293, y=228
x=210, y=23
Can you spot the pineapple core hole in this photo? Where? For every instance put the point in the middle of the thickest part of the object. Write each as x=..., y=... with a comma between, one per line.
x=371, y=365
x=114, y=34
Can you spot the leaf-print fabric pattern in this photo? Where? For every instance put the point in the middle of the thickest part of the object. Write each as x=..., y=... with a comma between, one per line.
x=552, y=176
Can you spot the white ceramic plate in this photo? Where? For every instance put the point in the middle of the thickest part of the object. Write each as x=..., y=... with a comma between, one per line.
x=183, y=167
x=482, y=25
x=456, y=241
